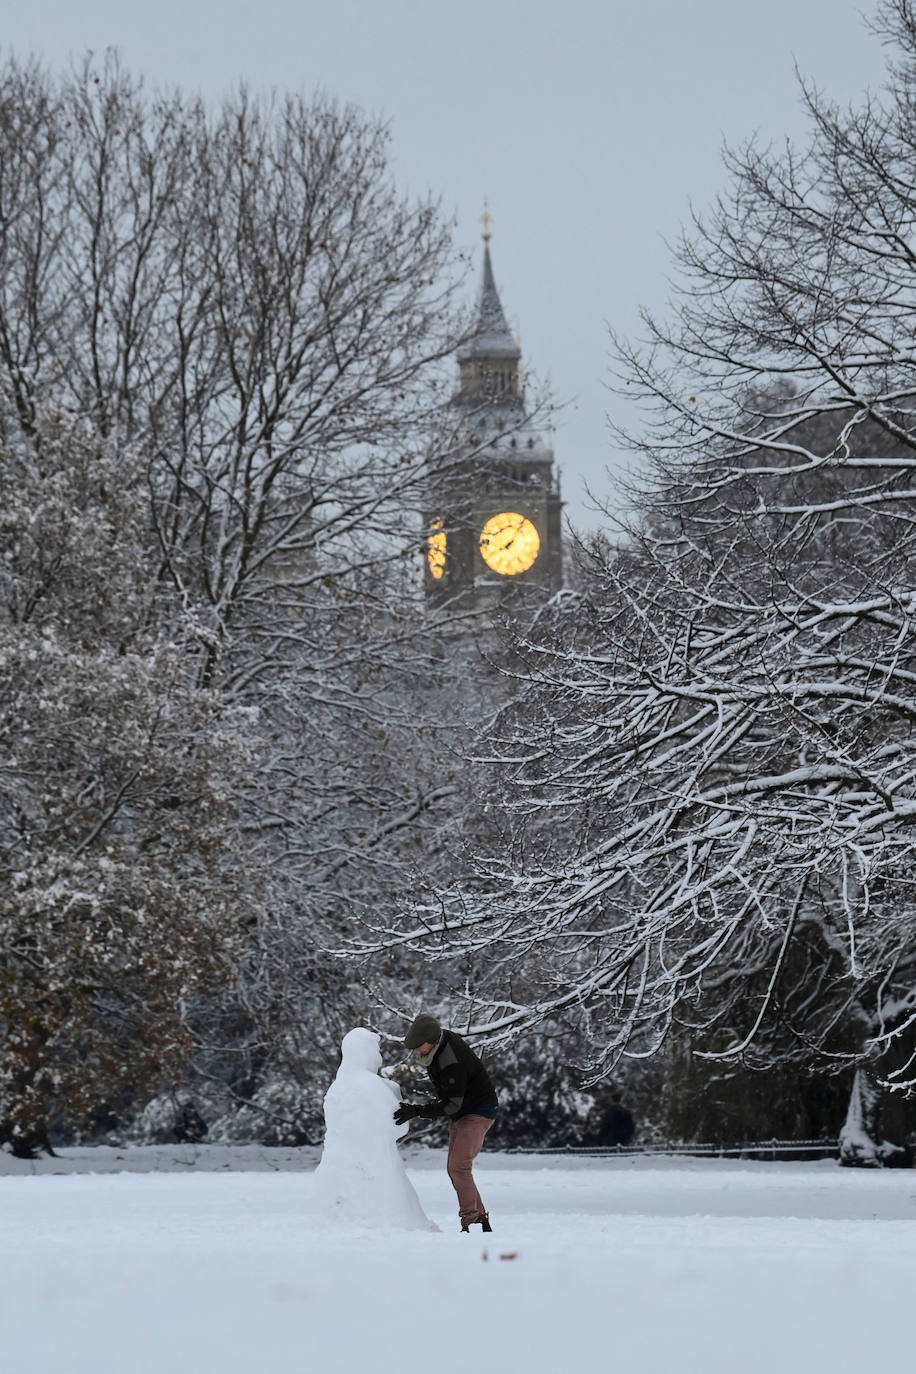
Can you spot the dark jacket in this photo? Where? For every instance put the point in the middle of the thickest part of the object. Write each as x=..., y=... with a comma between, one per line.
x=462, y=1084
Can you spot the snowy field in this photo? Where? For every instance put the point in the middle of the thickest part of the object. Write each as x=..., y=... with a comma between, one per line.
x=217, y=1264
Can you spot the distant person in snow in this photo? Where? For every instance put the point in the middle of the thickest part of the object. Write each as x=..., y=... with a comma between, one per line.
x=617, y=1126
x=190, y=1127
x=465, y=1096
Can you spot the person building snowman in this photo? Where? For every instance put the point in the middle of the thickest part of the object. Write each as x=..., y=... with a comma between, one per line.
x=361, y=1179
x=465, y=1096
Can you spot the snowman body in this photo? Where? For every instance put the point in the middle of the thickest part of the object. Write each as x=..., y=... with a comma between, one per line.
x=361, y=1179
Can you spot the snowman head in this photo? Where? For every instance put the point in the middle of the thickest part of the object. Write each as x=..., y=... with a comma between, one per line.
x=360, y=1051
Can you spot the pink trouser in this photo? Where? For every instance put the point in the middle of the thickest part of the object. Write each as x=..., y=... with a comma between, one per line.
x=465, y=1137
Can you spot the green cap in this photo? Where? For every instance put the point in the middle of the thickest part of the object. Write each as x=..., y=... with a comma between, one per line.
x=424, y=1030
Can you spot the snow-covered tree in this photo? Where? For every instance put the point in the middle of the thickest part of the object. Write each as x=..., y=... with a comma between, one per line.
x=120, y=891
x=708, y=779
x=243, y=301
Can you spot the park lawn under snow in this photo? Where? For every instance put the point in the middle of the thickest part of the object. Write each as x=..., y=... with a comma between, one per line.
x=686, y=1267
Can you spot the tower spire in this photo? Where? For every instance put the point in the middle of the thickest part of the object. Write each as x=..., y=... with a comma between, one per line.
x=491, y=337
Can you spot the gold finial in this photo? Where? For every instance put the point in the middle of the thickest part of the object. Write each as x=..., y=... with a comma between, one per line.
x=486, y=220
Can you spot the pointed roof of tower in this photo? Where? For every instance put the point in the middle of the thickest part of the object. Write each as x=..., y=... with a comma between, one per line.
x=491, y=319
x=492, y=337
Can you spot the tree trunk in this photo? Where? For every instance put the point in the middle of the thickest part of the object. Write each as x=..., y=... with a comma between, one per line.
x=861, y=1145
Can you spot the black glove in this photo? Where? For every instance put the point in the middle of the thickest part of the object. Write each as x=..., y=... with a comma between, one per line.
x=406, y=1112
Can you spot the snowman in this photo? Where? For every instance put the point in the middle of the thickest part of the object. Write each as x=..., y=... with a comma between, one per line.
x=361, y=1178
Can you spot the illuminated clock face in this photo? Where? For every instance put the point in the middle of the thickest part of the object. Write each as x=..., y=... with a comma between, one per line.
x=435, y=549
x=509, y=543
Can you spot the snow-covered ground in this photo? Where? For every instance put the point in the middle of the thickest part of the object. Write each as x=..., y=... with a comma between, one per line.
x=219, y=1264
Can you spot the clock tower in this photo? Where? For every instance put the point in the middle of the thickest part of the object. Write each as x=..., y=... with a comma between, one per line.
x=494, y=519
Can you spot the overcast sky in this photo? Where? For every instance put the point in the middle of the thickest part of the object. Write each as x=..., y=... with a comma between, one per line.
x=588, y=124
